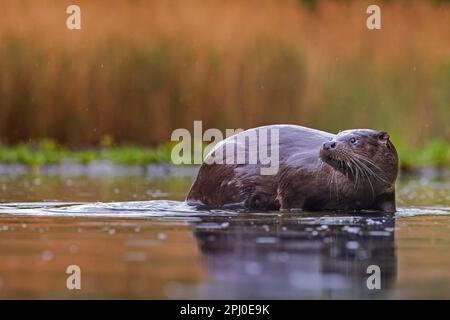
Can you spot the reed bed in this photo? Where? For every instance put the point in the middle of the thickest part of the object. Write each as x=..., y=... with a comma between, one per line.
x=139, y=69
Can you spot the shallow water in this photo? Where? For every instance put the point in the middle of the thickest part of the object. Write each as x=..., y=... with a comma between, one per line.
x=133, y=237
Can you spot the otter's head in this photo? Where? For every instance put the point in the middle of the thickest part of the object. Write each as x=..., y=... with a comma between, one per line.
x=362, y=153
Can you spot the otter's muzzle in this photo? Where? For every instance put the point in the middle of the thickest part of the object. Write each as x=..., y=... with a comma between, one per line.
x=328, y=146
x=327, y=151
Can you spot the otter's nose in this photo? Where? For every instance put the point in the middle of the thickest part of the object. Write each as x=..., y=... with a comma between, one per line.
x=329, y=145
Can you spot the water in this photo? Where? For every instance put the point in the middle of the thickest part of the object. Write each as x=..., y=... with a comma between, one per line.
x=133, y=237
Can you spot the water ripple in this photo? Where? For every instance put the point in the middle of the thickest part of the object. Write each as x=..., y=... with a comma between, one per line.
x=166, y=208
x=130, y=209
x=422, y=211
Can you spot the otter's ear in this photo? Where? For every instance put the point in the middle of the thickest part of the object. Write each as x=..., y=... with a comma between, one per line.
x=383, y=136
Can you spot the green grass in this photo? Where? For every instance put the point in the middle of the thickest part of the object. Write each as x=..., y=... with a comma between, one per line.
x=435, y=153
x=47, y=152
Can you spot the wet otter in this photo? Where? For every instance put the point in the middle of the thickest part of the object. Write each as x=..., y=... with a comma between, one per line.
x=353, y=170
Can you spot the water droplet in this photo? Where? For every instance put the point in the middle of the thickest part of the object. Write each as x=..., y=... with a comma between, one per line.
x=47, y=255
x=73, y=248
x=253, y=268
x=162, y=236
x=266, y=240
x=352, y=245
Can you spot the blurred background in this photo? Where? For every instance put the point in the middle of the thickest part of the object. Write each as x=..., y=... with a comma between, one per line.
x=139, y=69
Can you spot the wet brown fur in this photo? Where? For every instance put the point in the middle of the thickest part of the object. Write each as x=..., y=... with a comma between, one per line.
x=309, y=177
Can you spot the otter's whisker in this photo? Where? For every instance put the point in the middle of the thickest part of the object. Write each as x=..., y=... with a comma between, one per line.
x=367, y=175
x=354, y=173
x=372, y=173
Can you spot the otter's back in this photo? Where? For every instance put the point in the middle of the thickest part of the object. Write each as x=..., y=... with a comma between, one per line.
x=233, y=183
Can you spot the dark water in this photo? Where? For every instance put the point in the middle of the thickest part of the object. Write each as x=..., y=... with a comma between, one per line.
x=132, y=237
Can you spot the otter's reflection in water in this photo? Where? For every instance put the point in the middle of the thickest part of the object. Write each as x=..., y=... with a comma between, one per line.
x=296, y=256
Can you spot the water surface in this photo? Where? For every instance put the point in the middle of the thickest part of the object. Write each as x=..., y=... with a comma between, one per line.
x=133, y=237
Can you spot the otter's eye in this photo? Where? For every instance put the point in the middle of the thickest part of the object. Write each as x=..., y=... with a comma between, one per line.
x=353, y=140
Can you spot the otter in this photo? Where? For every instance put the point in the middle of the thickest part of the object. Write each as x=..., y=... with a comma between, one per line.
x=318, y=171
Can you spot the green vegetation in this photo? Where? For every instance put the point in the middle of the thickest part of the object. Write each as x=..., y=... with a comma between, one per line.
x=435, y=153
x=48, y=152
